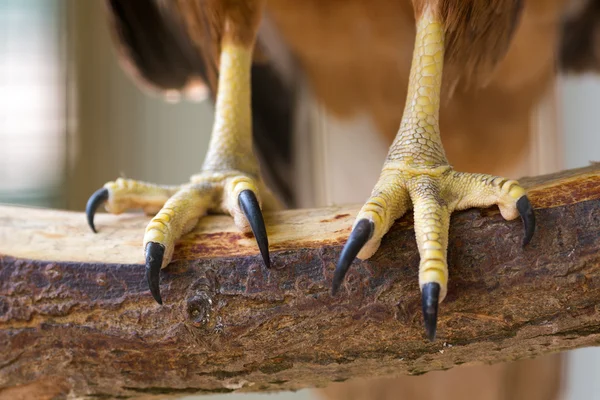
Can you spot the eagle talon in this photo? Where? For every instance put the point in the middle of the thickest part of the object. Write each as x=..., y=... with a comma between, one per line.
x=251, y=209
x=430, y=295
x=362, y=232
x=528, y=217
x=154, y=257
x=99, y=197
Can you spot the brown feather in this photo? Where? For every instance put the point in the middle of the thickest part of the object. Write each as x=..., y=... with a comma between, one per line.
x=152, y=45
x=478, y=35
x=580, y=42
x=357, y=56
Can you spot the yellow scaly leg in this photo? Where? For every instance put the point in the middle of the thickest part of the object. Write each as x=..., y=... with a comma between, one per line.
x=229, y=181
x=416, y=174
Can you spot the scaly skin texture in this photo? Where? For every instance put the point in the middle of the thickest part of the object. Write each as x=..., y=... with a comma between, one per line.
x=417, y=174
x=230, y=166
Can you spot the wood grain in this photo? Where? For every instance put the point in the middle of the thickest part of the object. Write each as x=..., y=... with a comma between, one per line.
x=75, y=311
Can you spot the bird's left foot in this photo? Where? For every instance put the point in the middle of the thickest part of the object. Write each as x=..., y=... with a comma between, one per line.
x=417, y=174
x=433, y=194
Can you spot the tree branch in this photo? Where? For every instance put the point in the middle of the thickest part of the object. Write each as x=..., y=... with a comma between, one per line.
x=76, y=315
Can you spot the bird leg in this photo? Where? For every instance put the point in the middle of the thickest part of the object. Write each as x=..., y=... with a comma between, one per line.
x=417, y=175
x=230, y=180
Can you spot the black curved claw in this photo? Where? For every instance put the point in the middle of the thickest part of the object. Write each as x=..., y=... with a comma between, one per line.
x=154, y=258
x=430, y=295
x=249, y=205
x=99, y=197
x=362, y=232
x=528, y=217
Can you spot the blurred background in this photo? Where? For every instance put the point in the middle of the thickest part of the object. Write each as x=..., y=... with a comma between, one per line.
x=70, y=120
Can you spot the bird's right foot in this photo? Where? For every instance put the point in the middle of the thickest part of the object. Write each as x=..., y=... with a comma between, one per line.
x=178, y=209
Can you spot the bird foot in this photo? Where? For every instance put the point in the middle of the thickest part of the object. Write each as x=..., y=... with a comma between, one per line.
x=433, y=193
x=178, y=209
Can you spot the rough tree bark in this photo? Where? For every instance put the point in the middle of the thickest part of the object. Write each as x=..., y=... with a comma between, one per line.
x=76, y=317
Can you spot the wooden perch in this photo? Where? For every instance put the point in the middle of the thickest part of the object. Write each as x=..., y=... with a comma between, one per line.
x=76, y=316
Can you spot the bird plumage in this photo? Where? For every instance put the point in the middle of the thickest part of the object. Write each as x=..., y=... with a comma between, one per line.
x=501, y=58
